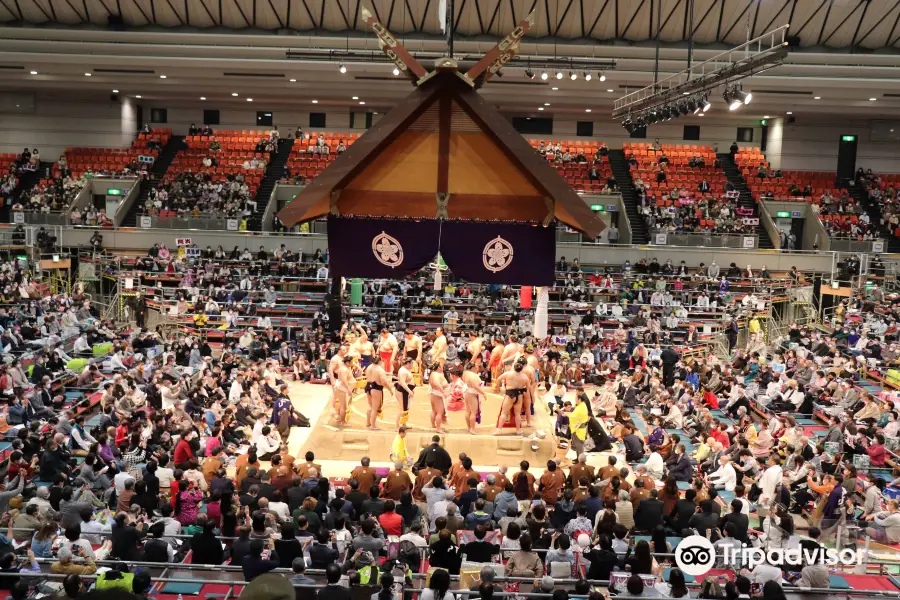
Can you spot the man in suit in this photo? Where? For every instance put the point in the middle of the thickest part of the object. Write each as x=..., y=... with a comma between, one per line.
x=705, y=521
x=440, y=458
x=682, y=513
x=740, y=520
x=649, y=513
x=254, y=565
x=682, y=469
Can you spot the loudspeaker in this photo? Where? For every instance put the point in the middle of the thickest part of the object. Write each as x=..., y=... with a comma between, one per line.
x=790, y=119
x=793, y=41
x=113, y=97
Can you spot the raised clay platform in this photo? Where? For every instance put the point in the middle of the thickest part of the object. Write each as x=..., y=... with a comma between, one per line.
x=330, y=441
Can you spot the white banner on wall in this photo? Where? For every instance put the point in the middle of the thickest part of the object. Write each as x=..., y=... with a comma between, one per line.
x=660, y=239
x=146, y=222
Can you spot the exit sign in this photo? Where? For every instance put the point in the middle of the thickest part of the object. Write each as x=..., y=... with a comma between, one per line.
x=113, y=192
x=597, y=207
x=762, y=122
x=848, y=138
x=783, y=213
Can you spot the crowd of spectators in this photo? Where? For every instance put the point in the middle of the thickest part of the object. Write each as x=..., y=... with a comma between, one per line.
x=196, y=194
x=190, y=439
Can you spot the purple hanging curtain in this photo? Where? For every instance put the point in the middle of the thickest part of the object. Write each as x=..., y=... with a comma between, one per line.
x=380, y=248
x=504, y=253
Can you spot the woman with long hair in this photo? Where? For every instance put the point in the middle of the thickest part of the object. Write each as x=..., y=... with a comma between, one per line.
x=642, y=563
x=669, y=495
x=437, y=586
x=675, y=587
x=521, y=488
x=387, y=588
x=42, y=541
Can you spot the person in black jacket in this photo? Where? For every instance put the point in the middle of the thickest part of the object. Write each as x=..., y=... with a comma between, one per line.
x=740, y=520
x=288, y=547
x=682, y=513
x=705, y=521
x=649, y=513
x=241, y=546
x=603, y=559
x=126, y=539
x=682, y=469
x=254, y=564
x=157, y=549
x=441, y=458
x=321, y=553
x=206, y=547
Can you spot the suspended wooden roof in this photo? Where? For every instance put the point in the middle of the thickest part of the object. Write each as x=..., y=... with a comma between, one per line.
x=444, y=152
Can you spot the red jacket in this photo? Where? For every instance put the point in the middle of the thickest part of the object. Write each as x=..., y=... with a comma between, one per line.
x=183, y=452
x=876, y=455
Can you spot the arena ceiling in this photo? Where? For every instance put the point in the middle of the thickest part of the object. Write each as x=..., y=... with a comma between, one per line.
x=185, y=50
x=836, y=24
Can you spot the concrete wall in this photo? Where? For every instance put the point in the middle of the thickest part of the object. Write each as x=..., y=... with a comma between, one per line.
x=775, y=142
x=811, y=144
x=587, y=254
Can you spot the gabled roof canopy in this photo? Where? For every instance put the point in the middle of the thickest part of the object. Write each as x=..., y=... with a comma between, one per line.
x=443, y=139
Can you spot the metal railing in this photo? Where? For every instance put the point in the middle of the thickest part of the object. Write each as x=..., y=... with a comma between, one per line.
x=746, y=241
x=850, y=244
x=39, y=218
x=204, y=223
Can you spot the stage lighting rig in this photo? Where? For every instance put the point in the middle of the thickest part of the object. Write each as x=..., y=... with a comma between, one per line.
x=727, y=69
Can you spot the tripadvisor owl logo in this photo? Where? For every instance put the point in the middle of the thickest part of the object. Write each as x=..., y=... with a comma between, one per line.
x=696, y=555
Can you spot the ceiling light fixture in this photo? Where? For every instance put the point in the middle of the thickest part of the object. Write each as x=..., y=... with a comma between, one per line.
x=355, y=97
x=234, y=94
x=87, y=74
x=872, y=99
x=342, y=68
x=587, y=110
x=249, y=99
x=602, y=76
x=34, y=72
x=766, y=117
x=162, y=76
x=559, y=74
x=529, y=73
x=544, y=76
x=293, y=81
x=138, y=96
x=789, y=112
x=315, y=101
x=573, y=75
x=396, y=71
x=817, y=98
x=610, y=91
x=203, y=97
x=362, y=102
x=546, y=104
x=706, y=104
x=587, y=76
x=115, y=91
x=540, y=108
x=555, y=89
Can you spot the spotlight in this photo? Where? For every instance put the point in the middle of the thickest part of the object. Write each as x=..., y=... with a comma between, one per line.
x=559, y=74
x=743, y=96
x=587, y=76
x=573, y=75
x=529, y=73
x=706, y=104
x=726, y=95
x=396, y=71
x=544, y=76
x=602, y=76
x=683, y=108
x=693, y=105
x=342, y=68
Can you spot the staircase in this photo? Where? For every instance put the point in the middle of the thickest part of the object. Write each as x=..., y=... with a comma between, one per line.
x=165, y=158
x=861, y=195
x=274, y=172
x=745, y=200
x=619, y=165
